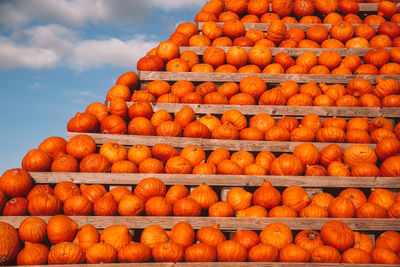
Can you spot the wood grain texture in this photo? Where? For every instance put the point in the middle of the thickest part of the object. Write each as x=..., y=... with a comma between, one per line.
x=206, y=144
x=225, y=223
x=269, y=78
x=199, y=50
x=280, y=110
x=218, y=180
x=264, y=26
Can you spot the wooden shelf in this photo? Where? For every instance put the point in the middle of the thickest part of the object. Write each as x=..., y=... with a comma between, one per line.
x=264, y=26
x=281, y=110
x=145, y=76
x=206, y=144
x=218, y=180
x=225, y=223
x=199, y=50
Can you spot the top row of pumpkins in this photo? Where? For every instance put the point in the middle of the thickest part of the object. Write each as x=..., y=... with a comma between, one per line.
x=283, y=8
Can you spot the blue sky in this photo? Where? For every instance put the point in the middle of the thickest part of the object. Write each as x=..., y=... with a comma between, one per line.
x=58, y=56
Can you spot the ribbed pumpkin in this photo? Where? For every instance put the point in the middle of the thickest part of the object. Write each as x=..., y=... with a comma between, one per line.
x=239, y=198
x=341, y=207
x=107, y=205
x=338, y=235
x=116, y=235
x=277, y=235
x=204, y=195
x=101, y=253
x=356, y=255
x=231, y=251
x=32, y=229
x=210, y=235
x=221, y=209
x=176, y=192
x=150, y=187
x=295, y=197
x=308, y=239
x=134, y=253
x=131, y=205
x=363, y=242
x=263, y=253
x=87, y=236
x=355, y=195
x=61, y=228
x=33, y=254
x=186, y=207
x=77, y=205
x=286, y=165
x=358, y=154
x=66, y=253
x=267, y=196
x=9, y=243
x=200, y=253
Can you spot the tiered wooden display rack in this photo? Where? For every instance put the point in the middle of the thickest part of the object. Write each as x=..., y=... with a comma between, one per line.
x=221, y=182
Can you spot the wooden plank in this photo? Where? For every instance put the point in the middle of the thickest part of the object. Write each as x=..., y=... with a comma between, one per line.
x=225, y=223
x=199, y=50
x=264, y=26
x=206, y=144
x=269, y=78
x=280, y=110
x=218, y=180
x=131, y=140
x=218, y=264
x=272, y=146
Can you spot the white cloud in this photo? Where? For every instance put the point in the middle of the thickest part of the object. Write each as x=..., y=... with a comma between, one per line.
x=48, y=46
x=81, y=12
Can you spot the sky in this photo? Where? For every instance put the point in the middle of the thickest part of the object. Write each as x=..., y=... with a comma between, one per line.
x=58, y=56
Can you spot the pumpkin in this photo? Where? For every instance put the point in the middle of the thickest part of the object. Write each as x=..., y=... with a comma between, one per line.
x=101, y=253
x=182, y=234
x=44, y=204
x=134, y=253
x=253, y=211
x=382, y=197
x=157, y=206
x=66, y=253
x=187, y=28
x=80, y=146
x=168, y=252
x=386, y=87
x=326, y=7
x=384, y=256
x=77, y=205
x=142, y=95
x=36, y=160
x=309, y=240
x=263, y=253
x=394, y=210
x=354, y=195
x=176, y=192
x=277, y=235
x=186, y=207
x=194, y=154
x=371, y=210
x=322, y=199
x=358, y=154
x=387, y=147
x=307, y=153
x=239, y=198
x=116, y=235
x=264, y=159
x=87, y=236
x=113, y=124
x=210, y=235
x=107, y=205
x=17, y=206
x=83, y=122
x=391, y=29
x=326, y=254
x=204, y=195
x=161, y=151
x=338, y=235
x=247, y=238
x=390, y=167
x=61, y=228
x=356, y=255
x=141, y=108
x=150, y=63
x=363, y=241
x=337, y=168
x=277, y=31
x=386, y=9
x=212, y=31
x=294, y=253
x=251, y=134
x=178, y=164
x=151, y=165
x=231, y=251
x=33, y=254
x=131, y=205
x=267, y=196
x=64, y=163
x=302, y=134
x=314, y=211
x=9, y=243
x=200, y=253
x=117, y=106
x=15, y=182
x=95, y=162
x=315, y=170
x=54, y=146
x=286, y=165
x=341, y=207
x=272, y=97
x=330, y=134
x=96, y=108
x=153, y=235
x=221, y=209
x=283, y=211
x=295, y=197
x=32, y=229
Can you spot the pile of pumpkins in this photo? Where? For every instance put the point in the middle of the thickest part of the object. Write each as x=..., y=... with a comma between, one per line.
x=233, y=14
x=151, y=197
x=71, y=244
x=80, y=154
x=253, y=90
